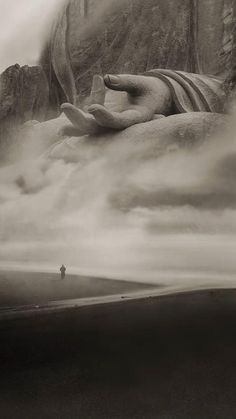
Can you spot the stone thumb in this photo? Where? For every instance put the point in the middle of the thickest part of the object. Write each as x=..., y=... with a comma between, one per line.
x=122, y=82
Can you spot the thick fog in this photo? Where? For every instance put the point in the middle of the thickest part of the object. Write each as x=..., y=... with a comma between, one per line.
x=119, y=213
x=24, y=26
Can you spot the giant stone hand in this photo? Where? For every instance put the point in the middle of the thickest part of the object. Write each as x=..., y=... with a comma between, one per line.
x=131, y=99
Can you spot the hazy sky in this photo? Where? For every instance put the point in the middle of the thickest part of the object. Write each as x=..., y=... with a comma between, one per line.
x=24, y=25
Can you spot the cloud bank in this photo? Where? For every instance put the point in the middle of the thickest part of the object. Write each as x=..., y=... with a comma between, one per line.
x=117, y=213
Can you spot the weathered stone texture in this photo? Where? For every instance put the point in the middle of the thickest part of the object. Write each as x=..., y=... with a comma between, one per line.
x=134, y=36
x=23, y=96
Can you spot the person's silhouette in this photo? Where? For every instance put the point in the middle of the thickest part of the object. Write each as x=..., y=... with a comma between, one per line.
x=63, y=271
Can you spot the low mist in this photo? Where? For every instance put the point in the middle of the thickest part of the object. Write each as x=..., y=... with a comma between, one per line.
x=120, y=211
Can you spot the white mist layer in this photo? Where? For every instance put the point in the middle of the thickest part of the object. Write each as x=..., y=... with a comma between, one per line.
x=120, y=215
x=24, y=28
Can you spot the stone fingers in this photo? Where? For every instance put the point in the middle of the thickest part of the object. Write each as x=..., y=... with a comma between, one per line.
x=98, y=90
x=116, y=120
x=83, y=121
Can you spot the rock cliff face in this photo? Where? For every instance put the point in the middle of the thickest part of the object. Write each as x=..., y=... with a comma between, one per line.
x=23, y=96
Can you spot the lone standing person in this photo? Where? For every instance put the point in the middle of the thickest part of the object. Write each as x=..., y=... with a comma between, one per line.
x=63, y=271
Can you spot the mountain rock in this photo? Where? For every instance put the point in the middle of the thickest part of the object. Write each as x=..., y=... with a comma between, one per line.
x=23, y=96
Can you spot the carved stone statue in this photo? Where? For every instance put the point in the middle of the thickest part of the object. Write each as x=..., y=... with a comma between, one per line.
x=161, y=106
x=180, y=35
x=191, y=103
x=142, y=98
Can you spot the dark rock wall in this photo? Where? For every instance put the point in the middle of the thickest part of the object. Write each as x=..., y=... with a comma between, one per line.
x=24, y=96
x=215, y=34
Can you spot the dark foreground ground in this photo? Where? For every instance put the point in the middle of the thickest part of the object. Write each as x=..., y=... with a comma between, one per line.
x=22, y=288
x=171, y=357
